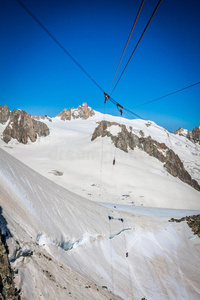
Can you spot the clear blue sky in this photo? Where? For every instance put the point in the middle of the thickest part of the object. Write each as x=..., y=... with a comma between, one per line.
x=38, y=77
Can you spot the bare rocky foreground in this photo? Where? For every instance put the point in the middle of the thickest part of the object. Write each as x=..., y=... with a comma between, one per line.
x=7, y=286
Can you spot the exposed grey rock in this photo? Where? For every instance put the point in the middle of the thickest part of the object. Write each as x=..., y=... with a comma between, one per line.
x=4, y=114
x=126, y=139
x=40, y=128
x=196, y=134
x=21, y=127
x=7, y=288
x=56, y=172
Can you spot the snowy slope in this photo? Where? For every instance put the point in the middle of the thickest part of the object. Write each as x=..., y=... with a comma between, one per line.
x=111, y=254
x=136, y=179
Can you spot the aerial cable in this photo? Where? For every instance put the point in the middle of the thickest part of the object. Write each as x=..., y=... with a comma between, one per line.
x=107, y=97
x=132, y=113
x=120, y=107
x=187, y=87
x=127, y=42
x=137, y=45
x=59, y=44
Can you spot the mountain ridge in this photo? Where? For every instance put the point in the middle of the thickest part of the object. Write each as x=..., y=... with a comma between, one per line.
x=126, y=139
x=21, y=126
x=85, y=112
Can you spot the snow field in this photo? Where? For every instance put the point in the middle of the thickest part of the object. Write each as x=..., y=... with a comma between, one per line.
x=88, y=171
x=85, y=250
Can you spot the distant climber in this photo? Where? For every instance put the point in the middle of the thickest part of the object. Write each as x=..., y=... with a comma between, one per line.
x=113, y=161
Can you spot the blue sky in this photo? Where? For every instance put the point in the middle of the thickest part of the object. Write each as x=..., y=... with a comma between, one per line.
x=38, y=77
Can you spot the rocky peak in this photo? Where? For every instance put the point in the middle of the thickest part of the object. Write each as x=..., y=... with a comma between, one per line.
x=21, y=127
x=193, y=136
x=4, y=113
x=65, y=114
x=83, y=112
x=182, y=132
x=126, y=139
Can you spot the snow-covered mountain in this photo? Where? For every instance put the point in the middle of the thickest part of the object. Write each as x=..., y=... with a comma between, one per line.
x=121, y=244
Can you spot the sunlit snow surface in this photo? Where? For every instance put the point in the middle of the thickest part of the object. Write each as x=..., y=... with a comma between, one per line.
x=83, y=250
x=87, y=168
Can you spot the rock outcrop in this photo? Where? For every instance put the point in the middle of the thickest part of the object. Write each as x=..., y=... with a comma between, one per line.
x=193, y=136
x=196, y=134
x=83, y=112
x=65, y=114
x=4, y=114
x=40, y=128
x=22, y=127
x=7, y=288
x=192, y=221
x=126, y=139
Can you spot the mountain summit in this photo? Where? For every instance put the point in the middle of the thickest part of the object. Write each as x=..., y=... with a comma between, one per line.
x=83, y=112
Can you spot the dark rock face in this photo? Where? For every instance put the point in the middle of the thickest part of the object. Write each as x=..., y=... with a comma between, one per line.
x=4, y=114
x=83, y=112
x=7, y=288
x=196, y=134
x=40, y=128
x=193, y=136
x=126, y=139
x=21, y=127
